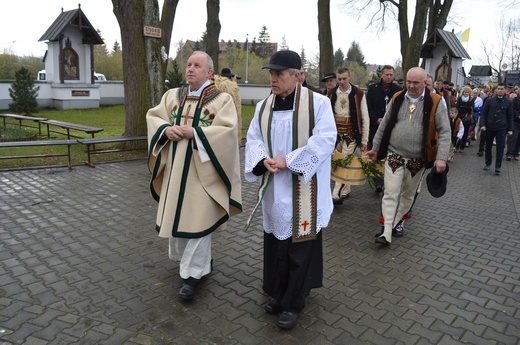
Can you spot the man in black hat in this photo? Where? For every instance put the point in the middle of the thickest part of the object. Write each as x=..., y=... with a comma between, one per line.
x=226, y=72
x=289, y=145
x=227, y=83
x=330, y=83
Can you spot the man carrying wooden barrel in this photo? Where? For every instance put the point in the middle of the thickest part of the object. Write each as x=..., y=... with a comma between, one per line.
x=352, y=122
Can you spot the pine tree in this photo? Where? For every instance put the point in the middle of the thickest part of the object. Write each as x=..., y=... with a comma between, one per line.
x=23, y=93
x=264, y=50
x=339, y=58
x=116, y=47
x=354, y=54
x=303, y=57
x=174, y=76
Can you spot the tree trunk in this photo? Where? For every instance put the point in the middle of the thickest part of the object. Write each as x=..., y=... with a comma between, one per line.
x=142, y=60
x=433, y=13
x=416, y=40
x=167, y=19
x=438, y=15
x=325, y=38
x=213, y=31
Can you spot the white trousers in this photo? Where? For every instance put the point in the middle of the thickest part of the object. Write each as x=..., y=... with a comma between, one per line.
x=194, y=255
x=399, y=196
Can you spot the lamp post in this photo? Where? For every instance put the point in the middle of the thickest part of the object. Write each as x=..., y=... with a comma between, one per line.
x=247, y=57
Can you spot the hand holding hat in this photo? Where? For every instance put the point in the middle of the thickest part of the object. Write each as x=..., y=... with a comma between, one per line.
x=437, y=182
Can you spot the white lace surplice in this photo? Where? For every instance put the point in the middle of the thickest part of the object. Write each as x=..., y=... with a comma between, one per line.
x=313, y=158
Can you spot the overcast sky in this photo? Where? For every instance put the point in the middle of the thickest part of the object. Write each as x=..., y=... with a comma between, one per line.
x=23, y=22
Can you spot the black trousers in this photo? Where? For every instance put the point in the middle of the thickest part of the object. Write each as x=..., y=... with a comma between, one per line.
x=291, y=270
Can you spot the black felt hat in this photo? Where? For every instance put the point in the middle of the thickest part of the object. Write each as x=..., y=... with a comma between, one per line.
x=226, y=72
x=284, y=59
x=437, y=182
x=328, y=76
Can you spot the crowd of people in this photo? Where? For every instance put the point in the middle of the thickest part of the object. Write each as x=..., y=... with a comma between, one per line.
x=411, y=125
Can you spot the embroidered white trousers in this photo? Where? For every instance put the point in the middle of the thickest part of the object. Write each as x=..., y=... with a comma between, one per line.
x=399, y=196
x=194, y=255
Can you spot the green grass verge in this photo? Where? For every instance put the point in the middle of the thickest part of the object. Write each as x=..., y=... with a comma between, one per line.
x=111, y=119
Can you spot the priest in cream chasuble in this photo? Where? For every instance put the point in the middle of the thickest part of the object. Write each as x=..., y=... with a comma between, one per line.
x=195, y=166
x=197, y=185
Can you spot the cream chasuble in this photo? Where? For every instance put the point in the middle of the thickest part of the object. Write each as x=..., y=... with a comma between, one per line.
x=196, y=196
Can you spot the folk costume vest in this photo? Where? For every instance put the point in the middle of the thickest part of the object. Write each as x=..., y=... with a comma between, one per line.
x=430, y=134
x=455, y=126
x=354, y=100
x=304, y=195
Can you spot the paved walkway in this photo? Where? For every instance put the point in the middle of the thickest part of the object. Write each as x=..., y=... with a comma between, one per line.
x=81, y=263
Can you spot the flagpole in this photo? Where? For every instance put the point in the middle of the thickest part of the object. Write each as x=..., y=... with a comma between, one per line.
x=247, y=57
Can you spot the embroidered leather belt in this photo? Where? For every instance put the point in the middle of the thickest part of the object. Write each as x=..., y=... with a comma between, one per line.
x=343, y=125
x=414, y=165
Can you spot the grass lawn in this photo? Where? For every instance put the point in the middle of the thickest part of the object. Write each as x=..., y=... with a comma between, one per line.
x=111, y=119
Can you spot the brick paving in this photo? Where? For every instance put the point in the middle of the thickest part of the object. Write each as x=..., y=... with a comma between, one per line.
x=81, y=263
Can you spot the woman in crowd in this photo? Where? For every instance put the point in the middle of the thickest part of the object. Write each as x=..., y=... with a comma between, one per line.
x=465, y=106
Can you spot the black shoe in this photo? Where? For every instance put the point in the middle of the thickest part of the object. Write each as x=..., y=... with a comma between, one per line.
x=382, y=240
x=273, y=307
x=337, y=201
x=288, y=320
x=187, y=292
x=480, y=154
x=497, y=171
x=398, y=231
x=508, y=158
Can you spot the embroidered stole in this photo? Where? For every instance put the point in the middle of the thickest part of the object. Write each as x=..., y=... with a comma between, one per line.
x=304, y=195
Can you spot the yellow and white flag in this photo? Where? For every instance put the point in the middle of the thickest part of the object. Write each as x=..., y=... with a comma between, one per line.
x=465, y=36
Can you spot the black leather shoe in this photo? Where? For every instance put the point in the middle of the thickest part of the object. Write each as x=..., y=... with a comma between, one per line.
x=273, y=307
x=382, y=240
x=398, y=231
x=187, y=292
x=288, y=320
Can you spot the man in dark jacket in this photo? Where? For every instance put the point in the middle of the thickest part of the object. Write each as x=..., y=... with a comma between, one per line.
x=513, y=142
x=378, y=96
x=497, y=118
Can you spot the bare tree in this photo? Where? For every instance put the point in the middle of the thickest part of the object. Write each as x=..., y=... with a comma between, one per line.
x=144, y=58
x=429, y=15
x=504, y=48
x=213, y=31
x=326, y=61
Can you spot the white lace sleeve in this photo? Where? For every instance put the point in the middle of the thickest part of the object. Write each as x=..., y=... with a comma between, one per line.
x=255, y=152
x=307, y=159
